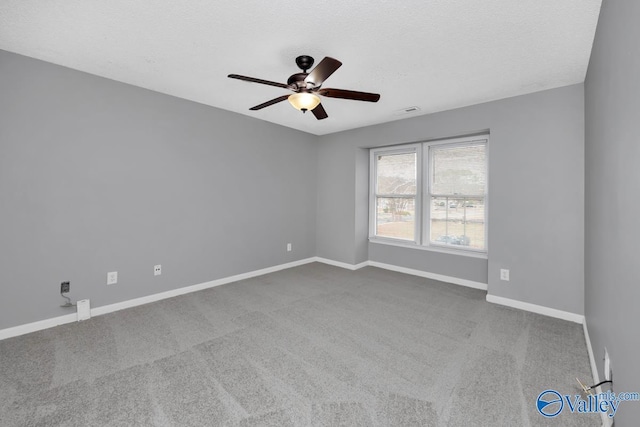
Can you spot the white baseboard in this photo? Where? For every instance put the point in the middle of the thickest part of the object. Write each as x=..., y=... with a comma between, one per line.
x=405, y=270
x=539, y=309
x=73, y=317
x=606, y=421
x=434, y=276
x=592, y=359
x=97, y=311
x=342, y=264
x=38, y=326
x=194, y=288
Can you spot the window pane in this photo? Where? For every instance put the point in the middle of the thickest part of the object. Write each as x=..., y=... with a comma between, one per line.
x=395, y=217
x=458, y=170
x=458, y=221
x=396, y=173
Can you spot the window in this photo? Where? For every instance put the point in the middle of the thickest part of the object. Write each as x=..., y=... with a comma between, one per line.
x=396, y=193
x=432, y=194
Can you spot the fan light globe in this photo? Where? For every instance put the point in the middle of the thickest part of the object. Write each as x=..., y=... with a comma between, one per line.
x=304, y=101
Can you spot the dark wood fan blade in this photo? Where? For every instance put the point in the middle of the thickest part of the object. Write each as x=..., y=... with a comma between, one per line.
x=319, y=112
x=254, y=80
x=323, y=70
x=349, y=94
x=268, y=103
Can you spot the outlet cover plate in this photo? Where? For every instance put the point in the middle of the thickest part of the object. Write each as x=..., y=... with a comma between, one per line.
x=504, y=274
x=157, y=270
x=112, y=278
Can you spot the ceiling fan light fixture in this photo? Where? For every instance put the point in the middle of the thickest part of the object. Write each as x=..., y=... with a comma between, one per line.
x=306, y=87
x=304, y=101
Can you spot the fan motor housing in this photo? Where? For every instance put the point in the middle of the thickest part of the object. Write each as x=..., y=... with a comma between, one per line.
x=297, y=80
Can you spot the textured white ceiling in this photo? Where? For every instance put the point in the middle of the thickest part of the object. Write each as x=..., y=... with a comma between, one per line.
x=436, y=54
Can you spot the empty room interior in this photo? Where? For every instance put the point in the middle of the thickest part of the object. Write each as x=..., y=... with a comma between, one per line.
x=445, y=240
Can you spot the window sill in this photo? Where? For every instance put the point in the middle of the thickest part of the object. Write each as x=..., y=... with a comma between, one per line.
x=410, y=245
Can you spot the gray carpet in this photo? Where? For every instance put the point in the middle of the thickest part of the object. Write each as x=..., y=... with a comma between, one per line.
x=311, y=346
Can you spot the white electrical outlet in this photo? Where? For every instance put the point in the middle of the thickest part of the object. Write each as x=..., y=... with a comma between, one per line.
x=112, y=278
x=504, y=274
x=608, y=373
x=157, y=270
x=289, y=247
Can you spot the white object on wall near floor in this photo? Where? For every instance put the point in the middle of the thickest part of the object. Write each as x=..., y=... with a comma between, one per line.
x=84, y=310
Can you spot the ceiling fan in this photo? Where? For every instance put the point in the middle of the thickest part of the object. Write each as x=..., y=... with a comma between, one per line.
x=307, y=87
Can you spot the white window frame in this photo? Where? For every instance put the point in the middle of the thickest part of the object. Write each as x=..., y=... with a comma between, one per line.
x=422, y=238
x=404, y=149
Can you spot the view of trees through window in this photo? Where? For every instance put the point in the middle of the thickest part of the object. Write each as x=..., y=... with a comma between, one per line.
x=454, y=209
x=396, y=200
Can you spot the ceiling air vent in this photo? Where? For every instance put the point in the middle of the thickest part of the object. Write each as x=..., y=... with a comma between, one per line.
x=407, y=110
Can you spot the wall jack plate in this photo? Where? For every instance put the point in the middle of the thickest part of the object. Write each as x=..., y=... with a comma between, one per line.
x=65, y=287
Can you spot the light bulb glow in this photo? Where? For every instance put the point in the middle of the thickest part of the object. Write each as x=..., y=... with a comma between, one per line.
x=304, y=101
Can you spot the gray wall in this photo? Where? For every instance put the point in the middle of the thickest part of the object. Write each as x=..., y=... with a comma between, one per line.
x=612, y=110
x=536, y=195
x=98, y=176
